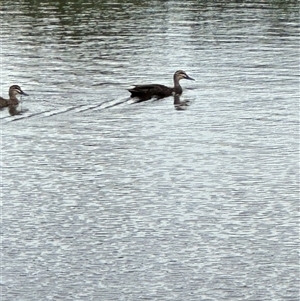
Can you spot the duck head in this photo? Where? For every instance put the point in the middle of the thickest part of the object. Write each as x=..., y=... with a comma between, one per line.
x=180, y=74
x=15, y=90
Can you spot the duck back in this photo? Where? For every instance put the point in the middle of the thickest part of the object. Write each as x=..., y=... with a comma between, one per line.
x=3, y=102
x=151, y=90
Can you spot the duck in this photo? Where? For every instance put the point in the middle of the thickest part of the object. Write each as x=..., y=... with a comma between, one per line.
x=14, y=90
x=145, y=92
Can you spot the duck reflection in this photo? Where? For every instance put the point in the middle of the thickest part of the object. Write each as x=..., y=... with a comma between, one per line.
x=13, y=110
x=180, y=105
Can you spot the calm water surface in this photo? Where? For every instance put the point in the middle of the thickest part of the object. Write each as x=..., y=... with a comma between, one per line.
x=104, y=199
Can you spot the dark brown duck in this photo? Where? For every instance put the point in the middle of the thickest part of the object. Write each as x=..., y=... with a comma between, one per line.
x=144, y=92
x=13, y=100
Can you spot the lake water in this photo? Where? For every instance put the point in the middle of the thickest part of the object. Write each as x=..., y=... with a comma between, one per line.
x=107, y=199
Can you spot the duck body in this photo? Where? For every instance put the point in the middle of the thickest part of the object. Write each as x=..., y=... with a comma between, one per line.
x=144, y=92
x=3, y=102
x=152, y=90
x=14, y=90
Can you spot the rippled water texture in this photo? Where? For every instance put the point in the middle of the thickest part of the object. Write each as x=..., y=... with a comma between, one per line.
x=193, y=198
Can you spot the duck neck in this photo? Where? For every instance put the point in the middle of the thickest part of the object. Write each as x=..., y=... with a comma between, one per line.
x=177, y=87
x=12, y=95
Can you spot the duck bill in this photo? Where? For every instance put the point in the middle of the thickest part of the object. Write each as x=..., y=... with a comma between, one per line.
x=188, y=77
x=23, y=93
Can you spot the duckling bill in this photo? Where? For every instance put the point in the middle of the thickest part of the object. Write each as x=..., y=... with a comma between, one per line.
x=144, y=92
x=14, y=90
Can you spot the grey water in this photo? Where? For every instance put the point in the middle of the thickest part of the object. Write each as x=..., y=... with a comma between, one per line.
x=193, y=198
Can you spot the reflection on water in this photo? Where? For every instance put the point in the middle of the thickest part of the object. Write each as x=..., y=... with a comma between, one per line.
x=107, y=199
x=180, y=105
x=13, y=110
